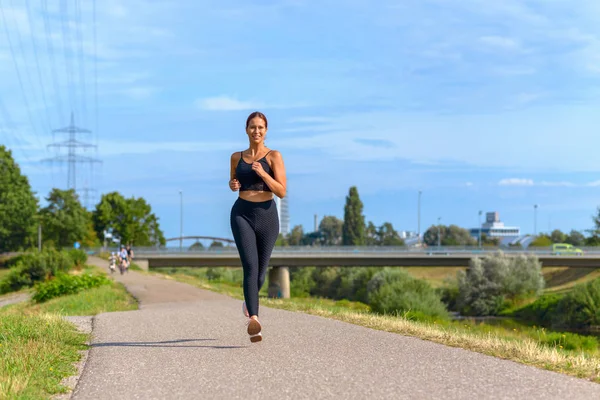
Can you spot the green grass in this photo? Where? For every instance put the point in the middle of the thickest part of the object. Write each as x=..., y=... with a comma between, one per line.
x=561, y=352
x=37, y=352
x=38, y=348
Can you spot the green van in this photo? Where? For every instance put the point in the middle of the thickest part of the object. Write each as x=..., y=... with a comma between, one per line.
x=565, y=248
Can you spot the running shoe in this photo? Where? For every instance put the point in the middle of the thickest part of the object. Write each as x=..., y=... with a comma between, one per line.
x=253, y=327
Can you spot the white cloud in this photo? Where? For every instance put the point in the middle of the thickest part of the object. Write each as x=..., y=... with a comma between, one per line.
x=563, y=183
x=226, y=103
x=594, y=184
x=500, y=42
x=516, y=182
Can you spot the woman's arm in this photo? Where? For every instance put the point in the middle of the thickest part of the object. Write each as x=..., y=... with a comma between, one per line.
x=233, y=182
x=279, y=184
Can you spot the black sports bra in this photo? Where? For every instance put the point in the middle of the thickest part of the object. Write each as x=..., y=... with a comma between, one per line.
x=249, y=179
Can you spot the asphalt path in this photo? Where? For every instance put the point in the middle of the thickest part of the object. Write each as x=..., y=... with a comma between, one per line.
x=188, y=343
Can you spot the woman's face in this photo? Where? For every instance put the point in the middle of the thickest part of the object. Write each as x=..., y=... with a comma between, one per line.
x=256, y=130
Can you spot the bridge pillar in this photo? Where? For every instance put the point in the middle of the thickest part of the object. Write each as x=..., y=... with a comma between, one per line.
x=279, y=283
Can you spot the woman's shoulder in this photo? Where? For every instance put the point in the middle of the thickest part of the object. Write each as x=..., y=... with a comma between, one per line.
x=236, y=155
x=274, y=154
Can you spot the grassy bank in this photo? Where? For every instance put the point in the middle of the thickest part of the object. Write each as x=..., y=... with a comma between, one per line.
x=531, y=346
x=38, y=348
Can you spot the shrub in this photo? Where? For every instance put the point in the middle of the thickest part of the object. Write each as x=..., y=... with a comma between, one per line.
x=542, y=311
x=394, y=291
x=301, y=282
x=63, y=284
x=352, y=283
x=580, y=308
x=29, y=268
x=78, y=256
x=488, y=282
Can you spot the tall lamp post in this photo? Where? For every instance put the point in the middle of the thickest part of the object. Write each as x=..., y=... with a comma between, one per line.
x=439, y=235
x=419, y=219
x=535, y=206
x=479, y=240
x=180, y=220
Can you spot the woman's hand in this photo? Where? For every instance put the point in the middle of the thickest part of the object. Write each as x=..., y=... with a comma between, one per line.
x=258, y=168
x=234, y=185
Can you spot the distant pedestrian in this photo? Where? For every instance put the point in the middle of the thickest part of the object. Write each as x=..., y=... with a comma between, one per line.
x=258, y=173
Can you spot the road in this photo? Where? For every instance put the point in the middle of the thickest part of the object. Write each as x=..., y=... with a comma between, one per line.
x=187, y=343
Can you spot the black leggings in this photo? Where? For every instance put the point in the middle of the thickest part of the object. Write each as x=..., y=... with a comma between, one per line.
x=255, y=228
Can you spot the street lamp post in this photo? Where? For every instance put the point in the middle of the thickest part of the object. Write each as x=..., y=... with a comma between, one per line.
x=535, y=206
x=181, y=220
x=479, y=240
x=439, y=235
x=419, y=218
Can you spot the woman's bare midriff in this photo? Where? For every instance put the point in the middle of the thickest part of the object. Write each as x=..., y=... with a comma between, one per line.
x=256, y=195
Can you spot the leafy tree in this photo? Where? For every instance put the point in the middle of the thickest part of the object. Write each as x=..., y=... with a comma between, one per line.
x=371, y=235
x=312, y=239
x=541, y=241
x=488, y=241
x=353, y=230
x=558, y=237
x=296, y=235
x=216, y=244
x=65, y=221
x=197, y=246
x=331, y=230
x=575, y=238
x=132, y=219
x=388, y=236
x=490, y=281
x=281, y=240
x=18, y=206
x=452, y=235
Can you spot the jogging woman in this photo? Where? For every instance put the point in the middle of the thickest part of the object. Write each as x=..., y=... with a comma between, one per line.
x=258, y=173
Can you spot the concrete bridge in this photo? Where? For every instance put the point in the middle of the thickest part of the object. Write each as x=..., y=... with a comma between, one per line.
x=282, y=258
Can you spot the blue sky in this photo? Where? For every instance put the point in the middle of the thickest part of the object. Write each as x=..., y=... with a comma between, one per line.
x=482, y=105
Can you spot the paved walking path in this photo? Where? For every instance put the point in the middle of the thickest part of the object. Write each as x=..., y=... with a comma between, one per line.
x=187, y=343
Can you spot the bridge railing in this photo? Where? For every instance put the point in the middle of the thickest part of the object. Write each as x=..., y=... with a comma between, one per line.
x=400, y=250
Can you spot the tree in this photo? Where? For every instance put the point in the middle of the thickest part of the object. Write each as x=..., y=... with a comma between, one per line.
x=452, y=235
x=65, y=221
x=557, y=236
x=353, y=230
x=18, y=206
x=216, y=245
x=575, y=238
x=541, y=241
x=281, y=241
x=331, y=230
x=197, y=246
x=388, y=236
x=131, y=219
x=371, y=235
x=384, y=235
x=296, y=235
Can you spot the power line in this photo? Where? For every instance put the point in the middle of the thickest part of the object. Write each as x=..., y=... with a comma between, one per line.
x=81, y=61
x=37, y=64
x=66, y=50
x=55, y=80
x=12, y=52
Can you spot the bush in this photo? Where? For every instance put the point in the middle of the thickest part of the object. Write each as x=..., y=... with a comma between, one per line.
x=394, y=291
x=352, y=283
x=580, y=308
x=29, y=268
x=78, y=256
x=489, y=282
x=301, y=282
x=541, y=312
x=63, y=284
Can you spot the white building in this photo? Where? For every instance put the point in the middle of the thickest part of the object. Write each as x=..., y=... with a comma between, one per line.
x=284, y=215
x=493, y=227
